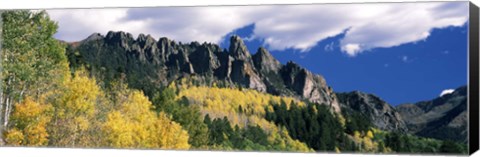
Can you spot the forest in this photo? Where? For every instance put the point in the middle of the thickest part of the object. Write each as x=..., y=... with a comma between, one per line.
x=46, y=102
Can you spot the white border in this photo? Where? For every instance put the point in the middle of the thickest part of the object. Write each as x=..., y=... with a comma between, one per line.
x=73, y=152
x=62, y=152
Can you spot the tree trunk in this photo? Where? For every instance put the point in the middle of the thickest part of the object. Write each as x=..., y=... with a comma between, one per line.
x=6, y=104
x=7, y=112
x=1, y=109
x=1, y=127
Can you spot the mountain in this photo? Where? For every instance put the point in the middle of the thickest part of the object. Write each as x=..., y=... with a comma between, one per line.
x=145, y=62
x=443, y=118
x=380, y=113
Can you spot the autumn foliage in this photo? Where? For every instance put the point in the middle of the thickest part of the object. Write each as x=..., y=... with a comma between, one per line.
x=133, y=124
x=30, y=119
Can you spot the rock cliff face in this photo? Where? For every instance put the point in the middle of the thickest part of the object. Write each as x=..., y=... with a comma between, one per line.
x=381, y=114
x=308, y=85
x=145, y=61
x=443, y=118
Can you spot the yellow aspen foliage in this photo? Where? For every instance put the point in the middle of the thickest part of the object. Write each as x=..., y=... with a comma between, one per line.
x=133, y=124
x=170, y=135
x=369, y=134
x=242, y=108
x=118, y=131
x=283, y=139
x=380, y=143
x=366, y=142
x=337, y=150
x=356, y=135
x=80, y=96
x=342, y=120
x=74, y=111
x=30, y=119
x=14, y=137
x=368, y=145
x=220, y=102
x=387, y=150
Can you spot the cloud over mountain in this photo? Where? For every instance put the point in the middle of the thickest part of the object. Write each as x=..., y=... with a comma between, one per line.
x=366, y=26
x=446, y=91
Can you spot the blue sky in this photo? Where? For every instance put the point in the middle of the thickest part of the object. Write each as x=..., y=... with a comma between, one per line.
x=402, y=52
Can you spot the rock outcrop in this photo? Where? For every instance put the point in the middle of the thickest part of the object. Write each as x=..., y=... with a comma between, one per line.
x=380, y=113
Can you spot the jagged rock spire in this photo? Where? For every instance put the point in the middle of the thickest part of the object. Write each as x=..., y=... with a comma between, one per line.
x=237, y=49
x=264, y=61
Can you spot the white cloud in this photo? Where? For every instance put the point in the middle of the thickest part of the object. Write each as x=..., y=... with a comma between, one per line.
x=447, y=91
x=351, y=49
x=405, y=23
x=78, y=24
x=366, y=26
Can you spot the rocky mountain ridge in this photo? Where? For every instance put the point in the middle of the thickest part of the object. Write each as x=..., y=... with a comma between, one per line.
x=145, y=61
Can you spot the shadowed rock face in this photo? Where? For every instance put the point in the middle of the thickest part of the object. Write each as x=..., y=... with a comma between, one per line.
x=443, y=118
x=381, y=114
x=147, y=62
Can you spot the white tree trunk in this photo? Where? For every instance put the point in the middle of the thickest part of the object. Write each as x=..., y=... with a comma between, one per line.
x=8, y=105
x=7, y=112
x=1, y=109
x=1, y=127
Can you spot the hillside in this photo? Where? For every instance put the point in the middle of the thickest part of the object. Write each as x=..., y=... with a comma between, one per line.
x=443, y=118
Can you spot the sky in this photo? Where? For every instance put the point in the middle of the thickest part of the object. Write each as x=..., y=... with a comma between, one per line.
x=401, y=52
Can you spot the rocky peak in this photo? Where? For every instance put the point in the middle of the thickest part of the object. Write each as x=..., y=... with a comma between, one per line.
x=310, y=86
x=146, y=48
x=237, y=49
x=164, y=41
x=265, y=62
x=165, y=49
x=93, y=37
x=167, y=45
x=204, y=60
x=195, y=44
x=145, y=41
x=290, y=73
x=119, y=38
x=381, y=114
